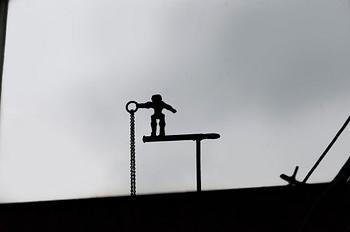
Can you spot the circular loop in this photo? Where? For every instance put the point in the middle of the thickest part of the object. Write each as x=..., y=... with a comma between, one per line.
x=131, y=110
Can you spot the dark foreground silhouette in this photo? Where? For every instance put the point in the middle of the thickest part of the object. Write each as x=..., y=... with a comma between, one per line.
x=183, y=137
x=157, y=104
x=280, y=209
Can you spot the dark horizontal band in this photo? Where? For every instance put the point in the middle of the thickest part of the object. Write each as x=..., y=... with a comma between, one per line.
x=194, y=137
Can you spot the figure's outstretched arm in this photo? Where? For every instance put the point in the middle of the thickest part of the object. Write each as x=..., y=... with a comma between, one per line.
x=170, y=108
x=146, y=105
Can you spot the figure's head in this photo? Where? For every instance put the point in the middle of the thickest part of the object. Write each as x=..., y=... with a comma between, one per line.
x=156, y=98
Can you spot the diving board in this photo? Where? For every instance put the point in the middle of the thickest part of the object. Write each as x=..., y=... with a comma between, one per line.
x=183, y=137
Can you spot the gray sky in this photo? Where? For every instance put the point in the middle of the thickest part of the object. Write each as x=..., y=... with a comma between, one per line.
x=270, y=76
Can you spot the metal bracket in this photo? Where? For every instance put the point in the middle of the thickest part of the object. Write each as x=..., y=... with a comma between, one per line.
x=291, y=179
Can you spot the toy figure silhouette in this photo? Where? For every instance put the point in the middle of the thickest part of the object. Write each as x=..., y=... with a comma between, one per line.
x=157, y=105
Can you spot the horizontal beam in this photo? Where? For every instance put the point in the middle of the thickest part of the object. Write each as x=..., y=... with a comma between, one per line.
x=193, y=137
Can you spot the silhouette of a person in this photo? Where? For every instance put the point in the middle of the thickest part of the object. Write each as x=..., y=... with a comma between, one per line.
x=157, y=105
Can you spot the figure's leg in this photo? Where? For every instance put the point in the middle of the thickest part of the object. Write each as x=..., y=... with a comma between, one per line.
x=153, y=125
x=162, y=125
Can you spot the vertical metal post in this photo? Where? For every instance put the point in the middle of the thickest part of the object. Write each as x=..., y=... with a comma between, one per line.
x=198, y=164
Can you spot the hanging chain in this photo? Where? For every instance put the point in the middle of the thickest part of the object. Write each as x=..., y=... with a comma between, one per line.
x=132, y=155
x=132, y=111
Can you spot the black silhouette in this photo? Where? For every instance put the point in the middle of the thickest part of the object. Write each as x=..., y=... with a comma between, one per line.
x=292, y=179
x=327, y=149
x=194, y=137
x=334, y=198
x=3, y=26
x=131, y=108
x=157, y=105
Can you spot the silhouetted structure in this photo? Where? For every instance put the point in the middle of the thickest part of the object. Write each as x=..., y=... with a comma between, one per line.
x=3, y=23
x=271, y=209
x=157, y=105
x=292, y=179
x=333, y=197
x=329, y=209
x=194, y=137
x=131, y=110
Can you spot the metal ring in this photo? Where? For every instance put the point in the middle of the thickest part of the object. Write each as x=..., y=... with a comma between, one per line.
x=131, y=110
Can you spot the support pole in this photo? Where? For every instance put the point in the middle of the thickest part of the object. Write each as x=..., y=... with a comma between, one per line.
x=198, y=165
x=193, y=137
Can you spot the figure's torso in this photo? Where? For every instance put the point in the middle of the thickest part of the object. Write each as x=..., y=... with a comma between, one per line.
x=158, y=107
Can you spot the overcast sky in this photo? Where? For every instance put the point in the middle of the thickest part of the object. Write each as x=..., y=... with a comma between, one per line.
x=270, y=76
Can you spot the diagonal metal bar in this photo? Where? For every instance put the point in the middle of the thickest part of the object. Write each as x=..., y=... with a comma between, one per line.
x=326, y=151
x=3, y=26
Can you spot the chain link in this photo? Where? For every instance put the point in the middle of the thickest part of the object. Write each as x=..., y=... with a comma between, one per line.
x=132, y=155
